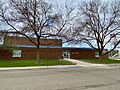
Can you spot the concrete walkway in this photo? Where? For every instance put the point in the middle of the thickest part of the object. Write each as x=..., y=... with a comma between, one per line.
x=85, y=64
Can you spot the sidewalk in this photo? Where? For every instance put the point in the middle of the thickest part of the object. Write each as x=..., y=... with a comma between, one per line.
x=85, y=64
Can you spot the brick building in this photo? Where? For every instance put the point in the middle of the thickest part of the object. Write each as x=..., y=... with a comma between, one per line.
x=24, y=49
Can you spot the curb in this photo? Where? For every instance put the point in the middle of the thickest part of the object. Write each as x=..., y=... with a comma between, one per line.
x=39, y=67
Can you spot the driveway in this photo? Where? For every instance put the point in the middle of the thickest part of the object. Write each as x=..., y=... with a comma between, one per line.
x=61, y=79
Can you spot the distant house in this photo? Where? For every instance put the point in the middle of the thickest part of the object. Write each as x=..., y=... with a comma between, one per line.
x=49, y=49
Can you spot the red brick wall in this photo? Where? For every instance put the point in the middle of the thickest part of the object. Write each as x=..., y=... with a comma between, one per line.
x=24, y=41
x=76, y=53
x=5, y=54
x=46, y=53
x=31, y=53
x=83, y=54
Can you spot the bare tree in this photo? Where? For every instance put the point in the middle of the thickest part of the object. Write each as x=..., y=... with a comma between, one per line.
x=99, y=25
x=34, y=18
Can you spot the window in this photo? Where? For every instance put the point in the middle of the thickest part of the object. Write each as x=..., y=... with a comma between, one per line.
x=96, y=54
x=16, y=53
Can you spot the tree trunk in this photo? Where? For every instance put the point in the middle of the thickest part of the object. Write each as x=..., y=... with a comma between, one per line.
x=38, y=55
x=38, y=50
x=100, y=56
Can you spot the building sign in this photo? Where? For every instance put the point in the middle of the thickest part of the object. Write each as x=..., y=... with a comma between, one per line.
x=75, y=52
x=16, y=53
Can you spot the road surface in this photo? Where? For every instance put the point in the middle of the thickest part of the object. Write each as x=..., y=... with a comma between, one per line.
x=61, y=79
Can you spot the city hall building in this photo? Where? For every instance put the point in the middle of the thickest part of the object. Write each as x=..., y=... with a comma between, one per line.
x=23, y=49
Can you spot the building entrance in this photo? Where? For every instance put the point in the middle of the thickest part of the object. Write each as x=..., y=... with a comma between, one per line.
x=66, y=54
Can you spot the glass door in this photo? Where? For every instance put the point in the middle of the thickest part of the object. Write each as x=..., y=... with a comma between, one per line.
x=66, y=54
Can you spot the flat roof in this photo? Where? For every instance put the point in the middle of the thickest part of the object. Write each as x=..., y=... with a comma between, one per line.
x=26, y=46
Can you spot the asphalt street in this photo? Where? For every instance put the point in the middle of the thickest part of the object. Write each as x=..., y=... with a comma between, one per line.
x=61, y=79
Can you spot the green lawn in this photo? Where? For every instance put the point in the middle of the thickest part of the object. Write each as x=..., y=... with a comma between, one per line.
x=104, y=61
x=25, y=63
